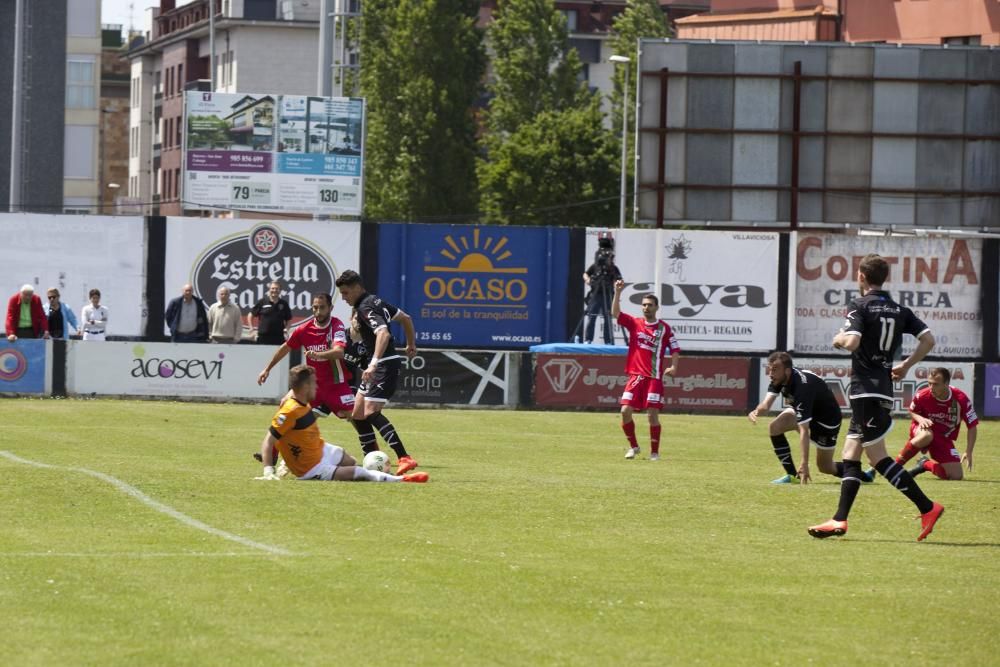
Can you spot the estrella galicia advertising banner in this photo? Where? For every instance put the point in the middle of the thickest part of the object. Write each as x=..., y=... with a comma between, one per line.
x=597, y=381
x=473, y=286
x=453, y=377
x=190, y=370
x=991, y=400
x=22, y=366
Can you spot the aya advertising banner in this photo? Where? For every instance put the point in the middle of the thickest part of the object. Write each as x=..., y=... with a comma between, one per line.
x=455, y=378
x=77, y=253
x=246, y=256
x=289, y=153
x=23, y=366
x=597, y=381
x=991, y=401
x=718, y=290
x=837, y=375
x=173, y=369
x=469, y=286
x=937, y=278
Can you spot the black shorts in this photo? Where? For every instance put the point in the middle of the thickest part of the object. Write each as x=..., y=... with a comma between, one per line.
x=871, y=419
x=824, y=437
x=383, y=383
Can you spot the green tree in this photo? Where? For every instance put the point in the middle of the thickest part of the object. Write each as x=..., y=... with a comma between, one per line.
x=422, y=65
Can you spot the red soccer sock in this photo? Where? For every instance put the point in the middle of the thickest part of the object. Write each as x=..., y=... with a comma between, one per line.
x=654, y=438
x=629, y=428
x=906, y=453
x=935, y=469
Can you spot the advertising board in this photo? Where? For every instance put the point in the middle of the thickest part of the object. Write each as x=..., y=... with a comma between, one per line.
x=23, y=366
x=456, y=378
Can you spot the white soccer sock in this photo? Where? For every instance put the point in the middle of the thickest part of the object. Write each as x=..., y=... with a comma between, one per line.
x=364, y=475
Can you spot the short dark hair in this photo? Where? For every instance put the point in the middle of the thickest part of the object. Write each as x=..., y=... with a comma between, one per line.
x=653, y=297
x=779, y=357
x=874, y=269
x=323, y=295
x=943, y=373
x=349, y=278
x=95, y=292
x=299, y=375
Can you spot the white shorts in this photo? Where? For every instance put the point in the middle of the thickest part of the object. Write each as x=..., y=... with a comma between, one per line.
x=93, y=336
x=332, y=456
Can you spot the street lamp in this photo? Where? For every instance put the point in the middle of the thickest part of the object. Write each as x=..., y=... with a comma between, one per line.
x=624, y=60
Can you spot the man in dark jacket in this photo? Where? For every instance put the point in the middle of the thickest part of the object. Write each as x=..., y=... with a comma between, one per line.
x=25, y=316
x=186, y=318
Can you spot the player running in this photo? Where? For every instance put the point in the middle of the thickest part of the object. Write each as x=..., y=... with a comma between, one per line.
x=873, y=333
x=380, y=377
x=812, y=411
x=937, y=413
x=650, y=341
x=295, y=434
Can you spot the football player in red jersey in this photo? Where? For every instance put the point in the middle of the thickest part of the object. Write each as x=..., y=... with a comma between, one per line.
x=650, y=342
x=938, y=411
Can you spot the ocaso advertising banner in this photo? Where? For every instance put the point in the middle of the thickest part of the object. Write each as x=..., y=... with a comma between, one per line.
x=247, y=255
x=492, y=287
x=77, y=253
x=837, y=374
x=455, y=378
x=597, y=381
x=172, y=369
x=22, y=366
x=937, y=278
x=991, y=401
x=718, y=290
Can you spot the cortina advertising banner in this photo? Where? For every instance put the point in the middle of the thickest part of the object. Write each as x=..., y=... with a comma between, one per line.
x=717, y=290
x=288, y=153
x=477, y=287
x=938, y=278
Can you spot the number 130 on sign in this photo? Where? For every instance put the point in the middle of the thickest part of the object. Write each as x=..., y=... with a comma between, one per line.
x=329, y=195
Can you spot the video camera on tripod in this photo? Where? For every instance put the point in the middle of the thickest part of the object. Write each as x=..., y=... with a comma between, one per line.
x=604, y=262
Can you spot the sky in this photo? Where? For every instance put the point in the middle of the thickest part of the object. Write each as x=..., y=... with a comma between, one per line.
x=117, y=11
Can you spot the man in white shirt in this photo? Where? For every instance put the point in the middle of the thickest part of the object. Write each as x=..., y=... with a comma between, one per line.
x=94, y=318
x=225, y=321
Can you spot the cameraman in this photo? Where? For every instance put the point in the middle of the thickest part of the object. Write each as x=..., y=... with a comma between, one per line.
x=601, y=277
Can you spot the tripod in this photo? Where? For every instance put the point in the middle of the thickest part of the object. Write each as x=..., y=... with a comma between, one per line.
x=598, y=303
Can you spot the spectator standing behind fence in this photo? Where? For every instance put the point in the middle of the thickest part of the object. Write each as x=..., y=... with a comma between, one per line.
x=273, y=315
x=94, y=317
x=25, y=316
x=62, y=320
x=225, y=321
x=186, y=318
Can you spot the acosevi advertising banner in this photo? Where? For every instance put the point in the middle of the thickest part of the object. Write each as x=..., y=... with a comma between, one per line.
x=937, y=278
x=75, y=254
x=274, y=152
x=22, y=366
x=837, y=375
x=469, y=286
x=717, y=290
x=246, y=256
x=172, y=369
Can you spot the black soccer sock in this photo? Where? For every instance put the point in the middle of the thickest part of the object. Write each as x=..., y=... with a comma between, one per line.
x=784, y=453
x=849, y=486
x=839, y=472
x=904, y=482
x=385, y=427
x=366, y=435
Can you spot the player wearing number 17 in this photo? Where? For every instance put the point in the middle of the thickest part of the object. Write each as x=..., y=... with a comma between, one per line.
x=650, y=341
x=872, y=334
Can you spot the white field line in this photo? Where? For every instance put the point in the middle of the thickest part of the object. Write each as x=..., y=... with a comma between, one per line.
x=154, y=504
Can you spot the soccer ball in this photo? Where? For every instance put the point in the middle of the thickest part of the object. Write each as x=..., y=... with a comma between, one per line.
x=376, y=461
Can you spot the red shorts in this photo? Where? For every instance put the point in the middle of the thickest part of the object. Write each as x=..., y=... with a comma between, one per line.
x=642, y=393
x=336, y=397
x=941, y=448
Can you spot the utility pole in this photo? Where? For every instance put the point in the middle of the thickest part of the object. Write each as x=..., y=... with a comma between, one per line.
x=17, y=110
x=211, y=45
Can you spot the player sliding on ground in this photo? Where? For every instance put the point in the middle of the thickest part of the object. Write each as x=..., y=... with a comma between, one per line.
x=650, y=341
x=872, y=334
x=812, y=412
x=295, y=434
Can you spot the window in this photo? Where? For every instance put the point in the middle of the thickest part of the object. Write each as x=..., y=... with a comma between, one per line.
x=588, y=49
x=571, y=18
x=80, y=88
x=169, y=133
x=179, y=126
x=974, y=40
x=78, y=151
x=177, y=183
x=180, y=79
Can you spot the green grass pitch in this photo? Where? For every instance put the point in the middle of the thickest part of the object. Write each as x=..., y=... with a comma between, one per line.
x=534, y=543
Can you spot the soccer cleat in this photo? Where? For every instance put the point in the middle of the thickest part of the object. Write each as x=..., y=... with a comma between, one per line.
x=786, y=479
x=405, y=465
x=920, y=467
x=868, y=476
x=632, y=451
x=655, y=456
x=321, y=411
x=416, y=477
x=831, y=528
x=928, y=520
